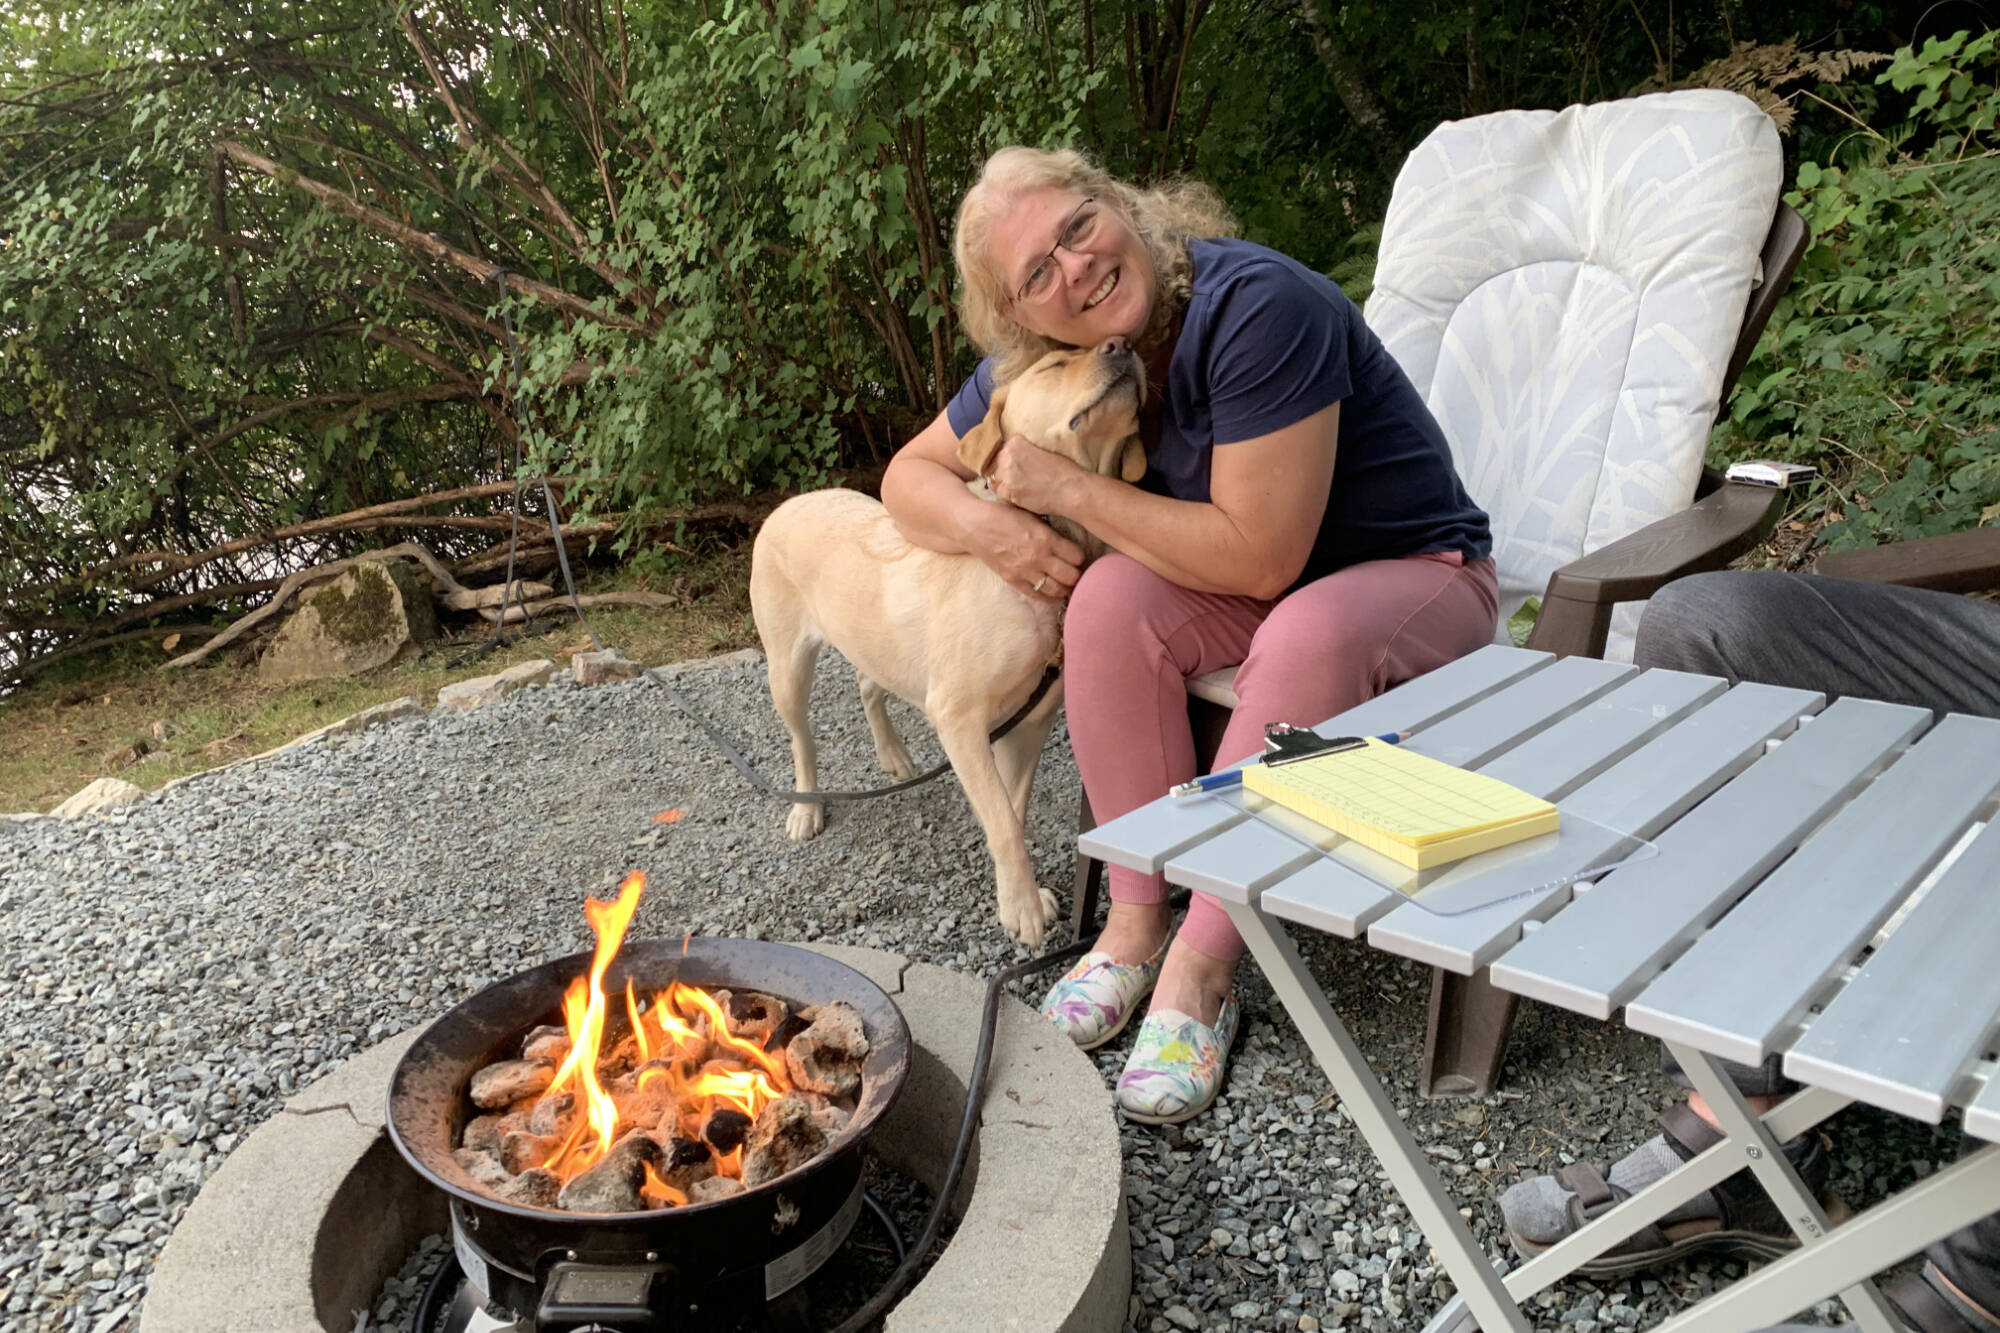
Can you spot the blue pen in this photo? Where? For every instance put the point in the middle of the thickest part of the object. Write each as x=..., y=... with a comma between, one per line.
x=1278, y=751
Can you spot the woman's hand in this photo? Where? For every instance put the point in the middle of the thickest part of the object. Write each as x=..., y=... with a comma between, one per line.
x=1034, y=479
x=1028, y=553
x=926, y=495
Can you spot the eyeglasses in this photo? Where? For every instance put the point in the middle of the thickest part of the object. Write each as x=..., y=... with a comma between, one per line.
x=1076, y=234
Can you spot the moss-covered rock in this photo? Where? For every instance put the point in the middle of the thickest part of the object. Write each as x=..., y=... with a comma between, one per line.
x=371, y=615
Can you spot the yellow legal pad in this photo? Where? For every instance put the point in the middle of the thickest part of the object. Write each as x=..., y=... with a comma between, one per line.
x=1414, y=809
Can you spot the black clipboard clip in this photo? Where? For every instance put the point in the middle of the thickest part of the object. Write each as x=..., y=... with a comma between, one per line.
x=1287, y=744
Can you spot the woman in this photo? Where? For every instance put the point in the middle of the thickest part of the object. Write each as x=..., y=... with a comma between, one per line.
x=1299, y=516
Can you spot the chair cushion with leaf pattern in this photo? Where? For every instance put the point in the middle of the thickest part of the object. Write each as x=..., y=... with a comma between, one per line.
x=1565, y=288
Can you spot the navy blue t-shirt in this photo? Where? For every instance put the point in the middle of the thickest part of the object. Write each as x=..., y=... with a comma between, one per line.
x=1265, y=343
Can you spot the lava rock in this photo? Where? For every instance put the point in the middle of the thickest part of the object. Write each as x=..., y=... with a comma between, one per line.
x=484, y=1133
x=555, y=1114
x=536, y=1187
x=546, y=1043
x=713, y=1188
x=753, y=1015
x=827, y=1056
x=784, y=1138
x=523, y=1152
x=614, y=1185
x=725, y=1129
x=483, y=1167
x=508, y=1081
x=688, y=1163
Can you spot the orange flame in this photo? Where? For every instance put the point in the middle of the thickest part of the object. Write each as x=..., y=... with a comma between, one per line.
x=586, y=1032
x=659, y=1191
x=702, y=1071
x=718, y=1028
x=638, y=1028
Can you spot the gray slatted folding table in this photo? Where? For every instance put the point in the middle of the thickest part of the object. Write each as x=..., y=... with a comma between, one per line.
x=1826, y=884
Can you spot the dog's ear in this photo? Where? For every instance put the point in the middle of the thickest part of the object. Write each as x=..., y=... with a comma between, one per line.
x=978, y=445
x=1132, y=459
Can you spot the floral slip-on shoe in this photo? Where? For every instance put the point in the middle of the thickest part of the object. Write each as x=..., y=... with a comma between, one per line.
x=1096, y=999
x=1176, y=1066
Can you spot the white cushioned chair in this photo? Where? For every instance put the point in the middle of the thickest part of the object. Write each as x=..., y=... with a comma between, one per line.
x=1574, y=293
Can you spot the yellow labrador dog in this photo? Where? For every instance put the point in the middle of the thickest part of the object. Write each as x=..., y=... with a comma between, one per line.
x=943, y=631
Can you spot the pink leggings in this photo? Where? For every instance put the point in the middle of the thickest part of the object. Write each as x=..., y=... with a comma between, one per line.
x=1132, y=640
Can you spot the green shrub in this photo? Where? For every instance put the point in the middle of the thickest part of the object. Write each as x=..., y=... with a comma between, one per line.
x=1877, y=363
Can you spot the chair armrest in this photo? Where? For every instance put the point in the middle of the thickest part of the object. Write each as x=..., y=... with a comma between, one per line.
x=1956, y=562
x=1575, y=618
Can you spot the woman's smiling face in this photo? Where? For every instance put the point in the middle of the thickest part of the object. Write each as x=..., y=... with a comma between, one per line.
x=1101, y=288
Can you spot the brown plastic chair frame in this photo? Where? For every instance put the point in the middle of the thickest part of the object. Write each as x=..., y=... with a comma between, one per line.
x=1470, y=1019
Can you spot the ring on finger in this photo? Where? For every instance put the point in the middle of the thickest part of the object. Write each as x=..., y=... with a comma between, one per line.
x=1039, y=582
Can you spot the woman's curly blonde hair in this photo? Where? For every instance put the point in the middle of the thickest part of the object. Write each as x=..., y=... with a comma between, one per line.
x=1165, y=217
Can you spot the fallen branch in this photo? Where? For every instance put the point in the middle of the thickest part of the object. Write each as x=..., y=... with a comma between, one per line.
x=319, y=574
x=518, y=613
x=174, y=562
x=177, y=562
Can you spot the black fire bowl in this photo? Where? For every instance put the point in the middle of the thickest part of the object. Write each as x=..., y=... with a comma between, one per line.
x=780, y=1230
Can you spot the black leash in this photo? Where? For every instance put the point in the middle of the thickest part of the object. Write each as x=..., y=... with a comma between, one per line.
x=548, y=497
x=750, y=774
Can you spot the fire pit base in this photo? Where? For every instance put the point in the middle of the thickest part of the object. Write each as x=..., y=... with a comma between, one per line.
x=308, y=1217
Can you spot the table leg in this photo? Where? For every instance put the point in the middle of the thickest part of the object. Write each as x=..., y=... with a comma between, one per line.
x=1886, y=1234
x=1774, y=1171
x=1368, y=1105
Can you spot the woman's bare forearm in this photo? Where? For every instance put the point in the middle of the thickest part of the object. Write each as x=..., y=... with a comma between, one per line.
x=1190, y=543
x=930, y=504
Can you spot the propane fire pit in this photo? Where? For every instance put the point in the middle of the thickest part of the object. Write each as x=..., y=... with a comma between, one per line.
x=659, y=1135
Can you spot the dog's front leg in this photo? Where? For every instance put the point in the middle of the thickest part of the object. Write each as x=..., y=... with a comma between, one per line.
x=1026, y=908
x=1020, y=750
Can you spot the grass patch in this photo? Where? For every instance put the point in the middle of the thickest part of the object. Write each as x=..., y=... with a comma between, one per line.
x=64, y=730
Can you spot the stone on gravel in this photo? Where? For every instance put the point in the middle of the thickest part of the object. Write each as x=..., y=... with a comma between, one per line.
x=601, y=668
x=406, y=706
x=485, y=689
x=102, y=794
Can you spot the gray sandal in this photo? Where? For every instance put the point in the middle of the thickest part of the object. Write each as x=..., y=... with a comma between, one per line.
x=1734, y=1220
x=1927, y=1304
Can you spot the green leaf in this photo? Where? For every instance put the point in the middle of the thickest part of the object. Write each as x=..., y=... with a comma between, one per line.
x=1522, y=623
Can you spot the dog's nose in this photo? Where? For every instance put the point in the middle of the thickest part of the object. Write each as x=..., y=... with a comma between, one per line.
x=1115, y=347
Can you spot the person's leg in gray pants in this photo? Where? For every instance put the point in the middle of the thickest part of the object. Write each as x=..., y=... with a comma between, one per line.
x=1837, y=636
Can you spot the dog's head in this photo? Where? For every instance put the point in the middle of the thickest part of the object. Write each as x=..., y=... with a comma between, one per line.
x=1080, y=403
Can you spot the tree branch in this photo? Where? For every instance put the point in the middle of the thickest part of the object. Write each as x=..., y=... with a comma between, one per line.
x=424, y=243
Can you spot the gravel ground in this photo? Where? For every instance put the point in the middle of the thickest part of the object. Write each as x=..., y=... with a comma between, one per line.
x=184, y=964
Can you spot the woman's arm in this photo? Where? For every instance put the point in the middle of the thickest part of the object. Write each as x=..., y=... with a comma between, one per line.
x=1267, y=497
x=924, y=490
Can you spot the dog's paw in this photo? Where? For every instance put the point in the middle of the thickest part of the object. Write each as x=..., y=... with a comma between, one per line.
x=1027, y=917
x=896, y=763
x=806, y=820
